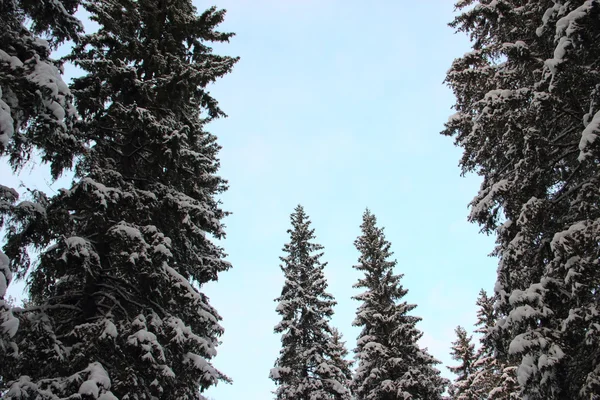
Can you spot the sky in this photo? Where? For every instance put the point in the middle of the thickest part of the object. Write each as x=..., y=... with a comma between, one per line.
x=336, y=105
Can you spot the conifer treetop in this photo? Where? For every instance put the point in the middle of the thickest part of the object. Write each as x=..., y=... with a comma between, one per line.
x=390, y=363
x=311, y=364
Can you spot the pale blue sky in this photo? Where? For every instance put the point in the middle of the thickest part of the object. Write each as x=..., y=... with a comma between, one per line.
x=337, y=105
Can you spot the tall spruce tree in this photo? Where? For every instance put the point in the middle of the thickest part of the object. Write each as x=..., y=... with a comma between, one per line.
x=36, y=113
x=391, y=365
x=117, y=308
x=463, y=351
x=528, y=116
x=311, y=363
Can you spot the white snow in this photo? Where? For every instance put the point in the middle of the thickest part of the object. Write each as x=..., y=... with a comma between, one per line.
x=199, y=363
x=526, y=369
x=161, y=248
x=32, y=207
x=7, y=128
x=533, y=294
x=570, y=266
x=41, y=42
x=566, y=28
x=523, y=312
x=89, y=388
x=5, y=274
x=109, y=330
x=101, y=191
x=498, y=94
x=561, y=238
x=13, y=61
x=568, y=24
x=78, y=245
x=141, y=336
x=547, y=15
x=3, y=283
x=97, y=379
x=48, y=76
x=481, y=204
x=281, y=306
x=11, y=325
x=588, y=136
x=167, y=371
x=274, y=373
x=559, y=54
x=129, y=231
x=57, y=110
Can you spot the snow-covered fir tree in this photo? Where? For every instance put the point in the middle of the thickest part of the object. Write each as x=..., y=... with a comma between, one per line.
x=36, y=113
x=116, y=302
x=390, y=363
x=528, y=116
x=463, y=351
x=311, y=364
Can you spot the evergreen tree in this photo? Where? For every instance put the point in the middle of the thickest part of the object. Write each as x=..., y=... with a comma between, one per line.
x=463, y=350
x=36, y=112
x=528, y=115
x=117, y=307
x=311, y=363
x=390, y=363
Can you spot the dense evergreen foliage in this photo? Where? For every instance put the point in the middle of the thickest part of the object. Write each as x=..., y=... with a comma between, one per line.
x=391, y=365
x=339, y=356
x=36, y=110
x=116, y=302
x=528, y=116
x=311, y=364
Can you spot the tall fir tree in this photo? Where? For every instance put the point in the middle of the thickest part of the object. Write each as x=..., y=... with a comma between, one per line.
x=311, y=363
x=528, y=116
x=36, y=113
x=391, y=365
x=463, y=351
x=117, y=307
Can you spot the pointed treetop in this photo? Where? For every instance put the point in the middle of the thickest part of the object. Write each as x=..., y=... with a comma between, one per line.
x=391, y=364
x=311, y=362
